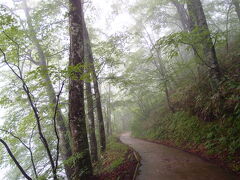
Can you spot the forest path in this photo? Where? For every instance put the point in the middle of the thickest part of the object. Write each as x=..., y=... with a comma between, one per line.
x=160, y=162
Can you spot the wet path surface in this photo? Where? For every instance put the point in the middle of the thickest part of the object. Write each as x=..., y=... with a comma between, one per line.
x=160, y=162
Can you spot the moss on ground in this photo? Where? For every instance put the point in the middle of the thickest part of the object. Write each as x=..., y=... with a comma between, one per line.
x=118, y=162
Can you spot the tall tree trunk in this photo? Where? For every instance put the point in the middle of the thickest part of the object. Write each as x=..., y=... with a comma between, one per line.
x=108, y=124
x=89, y=94
x=65, y=147
x=97, y=93
x=105, y=112
x=92, y=134
x=188, y=26
x=82, y=166
x=90, y=104
x=109, y=120
x=160, y=67
x=184, y=18
x=237, y=7
x=197, y=16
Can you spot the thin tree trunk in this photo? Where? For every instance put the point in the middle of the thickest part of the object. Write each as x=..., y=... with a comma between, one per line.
x=168, y=97
x=237, y=7
x=227, y=27
x=184, y=18
x=92, y=134
x=109, y=123
x=197, y=16
x=82, y=166
x=65, y=147
x=90, y=104
x=188, y=25
x=161, y=72
x=105, y=112
x=97, y=93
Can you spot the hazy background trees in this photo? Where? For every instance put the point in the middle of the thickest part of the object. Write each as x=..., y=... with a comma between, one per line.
x=162, y=69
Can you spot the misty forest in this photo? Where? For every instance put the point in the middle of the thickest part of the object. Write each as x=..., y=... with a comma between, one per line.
x=119, y=89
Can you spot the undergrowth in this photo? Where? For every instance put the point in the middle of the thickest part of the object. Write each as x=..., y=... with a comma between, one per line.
x=220, y=139
x=112, y=158
x=202, y=117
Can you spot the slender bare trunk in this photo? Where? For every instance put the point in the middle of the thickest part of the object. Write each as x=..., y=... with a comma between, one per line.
x=109, y=119
x=160, y=67
x=97, y=93
x=184, y=18
x=237, y=7
x=65, y=147
x=82, y=166
x=92, y=134
x=90, y=104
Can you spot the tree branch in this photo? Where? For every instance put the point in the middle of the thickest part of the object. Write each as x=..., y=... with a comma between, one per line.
x=55, y=124
x=27, y=147
x=15, y=160
x=35, y=110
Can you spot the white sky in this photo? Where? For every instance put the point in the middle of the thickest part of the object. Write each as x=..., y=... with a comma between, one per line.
x=118, y=23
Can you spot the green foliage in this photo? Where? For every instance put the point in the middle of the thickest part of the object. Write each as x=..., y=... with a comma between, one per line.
x=6, y=17
x=113, y=157
x=183, y=129
x=191, y=40
x=20, y=120
x=178, y=127
x=42, y=178
x=115, y=164
x=115, y=145
x=156, y=55
x=73, y=159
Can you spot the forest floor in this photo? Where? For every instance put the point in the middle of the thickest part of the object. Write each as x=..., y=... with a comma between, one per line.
x=163, y=162
x=119, y=162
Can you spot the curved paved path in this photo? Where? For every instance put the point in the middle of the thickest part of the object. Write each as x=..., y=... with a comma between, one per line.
x=160, y=162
